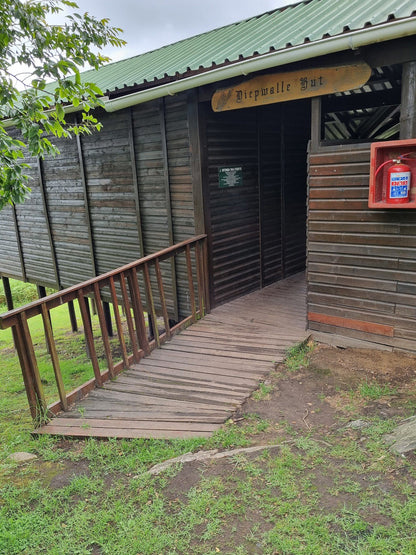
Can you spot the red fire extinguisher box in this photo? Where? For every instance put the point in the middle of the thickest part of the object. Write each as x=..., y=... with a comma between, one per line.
x=387, y=153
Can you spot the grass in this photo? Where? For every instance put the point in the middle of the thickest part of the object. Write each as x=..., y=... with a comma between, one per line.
x=297, y=356
x=374, y=390
x=327, y=491
x=262, y=393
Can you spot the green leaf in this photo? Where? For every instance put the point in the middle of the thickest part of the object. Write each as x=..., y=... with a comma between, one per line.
x=48, y=51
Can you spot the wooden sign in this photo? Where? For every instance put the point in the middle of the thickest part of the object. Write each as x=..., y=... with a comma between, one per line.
x=292, y=85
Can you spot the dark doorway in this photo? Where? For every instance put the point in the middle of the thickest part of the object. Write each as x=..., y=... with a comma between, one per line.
x=257, y=222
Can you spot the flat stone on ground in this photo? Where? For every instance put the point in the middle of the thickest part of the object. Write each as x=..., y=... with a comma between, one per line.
x=403, y=438
x=21, y=456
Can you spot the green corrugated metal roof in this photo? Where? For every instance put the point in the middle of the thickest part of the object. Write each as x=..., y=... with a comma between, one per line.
x=280, y=29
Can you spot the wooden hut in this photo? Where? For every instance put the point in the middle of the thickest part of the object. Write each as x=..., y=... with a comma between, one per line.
x=258, y=134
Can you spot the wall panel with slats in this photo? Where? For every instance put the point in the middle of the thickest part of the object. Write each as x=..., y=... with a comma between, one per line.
x=361, y=262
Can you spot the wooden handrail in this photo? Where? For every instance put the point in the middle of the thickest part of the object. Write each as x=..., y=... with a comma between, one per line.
x=125, y=280
x=7, y=319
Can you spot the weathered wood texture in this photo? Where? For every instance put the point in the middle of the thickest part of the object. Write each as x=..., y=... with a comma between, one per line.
x=256, y=230
x=33, y=232
x=127, y=279
x=9, y=243
x=196, y=381
x=361, y=262
x=108, y=197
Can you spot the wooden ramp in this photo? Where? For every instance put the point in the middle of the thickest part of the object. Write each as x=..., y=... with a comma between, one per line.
x=194, y=382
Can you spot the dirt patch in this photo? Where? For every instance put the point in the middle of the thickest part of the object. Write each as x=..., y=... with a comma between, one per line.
x=325, y=392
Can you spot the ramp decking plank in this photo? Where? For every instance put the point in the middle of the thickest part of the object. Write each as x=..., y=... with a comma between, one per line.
x=194, y=382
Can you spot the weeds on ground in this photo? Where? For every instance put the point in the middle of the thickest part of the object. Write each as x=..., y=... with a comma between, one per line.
x=374, y=390
x=297, y=356
x=262, y=393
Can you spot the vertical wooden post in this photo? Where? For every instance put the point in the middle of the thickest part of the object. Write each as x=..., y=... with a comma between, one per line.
x=127, y=311
x=30, y=370
x=86, y=201
x=206, y=274
x=162, y=298
x=118, y=323
x=19, y=243
x=408, y=104
x=282, y=192
x=54, y=356
x=260, y=195
x=107, y=316
x=162, y=109
x=135, y=183
x=316, y=123
x=72, y=316
x=48, y=223
x=190, y=282
x=89, y=338
x=103, y=326
x=7, y=292
x=200, y=279
x=138, y=311
x=151, y=304
x=42, y=293
x=10, y=304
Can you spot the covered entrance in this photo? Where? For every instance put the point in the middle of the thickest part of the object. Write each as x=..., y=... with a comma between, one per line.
x=255, y=195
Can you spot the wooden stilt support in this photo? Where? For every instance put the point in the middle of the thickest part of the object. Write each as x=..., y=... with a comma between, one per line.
x=72, y=316
x=107, y=316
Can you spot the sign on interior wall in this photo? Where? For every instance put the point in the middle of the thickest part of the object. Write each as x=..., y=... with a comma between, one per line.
x=292, y=85
x=230, y=177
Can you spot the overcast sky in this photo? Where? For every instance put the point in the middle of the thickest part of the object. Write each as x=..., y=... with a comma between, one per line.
x=150, y=24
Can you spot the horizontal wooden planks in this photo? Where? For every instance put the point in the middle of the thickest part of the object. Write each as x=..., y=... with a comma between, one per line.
x=191, y=385
x=361, y=262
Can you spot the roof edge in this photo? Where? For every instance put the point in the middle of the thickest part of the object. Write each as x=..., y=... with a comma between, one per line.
x=348, y=41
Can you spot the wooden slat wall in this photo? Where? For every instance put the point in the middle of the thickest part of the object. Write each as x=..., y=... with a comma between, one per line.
x=111, y=194
x=151, y=182
x=232, y=141
x=181, y=184
x=138, y=199
x=150, y=176
x=283, y=140
x=10, y=266
x=68, y=214
x=296, y=118
x=36, y=247
x=361, y=262
x=270, y=179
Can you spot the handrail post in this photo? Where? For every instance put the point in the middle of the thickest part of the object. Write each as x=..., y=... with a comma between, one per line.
x=138, y=311
x=46, y=317
x=200, y=279
x=190, y=281
x=118, y=323
x=206, y=274
x=162, y=298
x=127, y=309
x=89, y=338
x=30, y=370
x=103, y=326
x=150, y=302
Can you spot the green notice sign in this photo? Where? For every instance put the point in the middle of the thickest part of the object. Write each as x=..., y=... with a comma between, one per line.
x=230, y=177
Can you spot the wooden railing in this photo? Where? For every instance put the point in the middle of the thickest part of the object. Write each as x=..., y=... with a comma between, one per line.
x=125, y=287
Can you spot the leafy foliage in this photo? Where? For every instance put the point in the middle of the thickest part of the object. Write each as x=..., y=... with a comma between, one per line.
x=40, y=65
